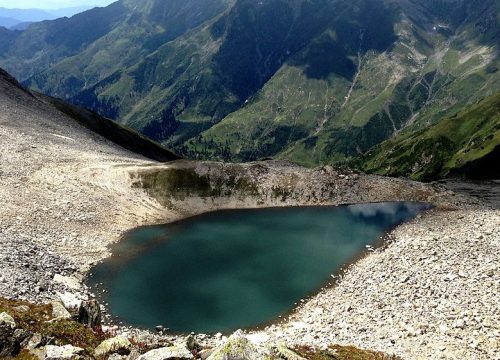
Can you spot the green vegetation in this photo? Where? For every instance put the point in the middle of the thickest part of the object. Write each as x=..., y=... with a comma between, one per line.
x=179, y=183
x=36, y=319
x=337, y=352
x=467, y=143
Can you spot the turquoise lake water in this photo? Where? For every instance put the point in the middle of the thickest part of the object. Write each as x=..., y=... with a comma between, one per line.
x=237, y=269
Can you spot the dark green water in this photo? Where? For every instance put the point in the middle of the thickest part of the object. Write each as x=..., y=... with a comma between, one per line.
x=240, y=268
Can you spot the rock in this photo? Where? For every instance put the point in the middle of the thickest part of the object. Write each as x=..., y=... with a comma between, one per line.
x=118, y=344
x=7, y=320
x=35, y=342
x=237, y=347
x=116, y=357
x=66, y=352
x=70, y=301
x=89, y=314
x=9, y=345
x=191, y=343
x=168, y=353
x=23, y=336
x=205, y=353
x=134, y=354
x=68, y=281
x=285, y=353
x=59, y=311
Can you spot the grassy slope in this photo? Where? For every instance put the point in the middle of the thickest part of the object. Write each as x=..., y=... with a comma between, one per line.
x=453, y=145
x=424, y=77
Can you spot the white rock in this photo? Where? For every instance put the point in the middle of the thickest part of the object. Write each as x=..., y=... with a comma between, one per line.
x=7, y=320
x=69, y=300
x=66, y=352
x=68, y=281
x=59, y=311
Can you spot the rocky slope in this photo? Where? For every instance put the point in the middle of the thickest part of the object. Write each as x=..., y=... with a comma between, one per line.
x=67, y=193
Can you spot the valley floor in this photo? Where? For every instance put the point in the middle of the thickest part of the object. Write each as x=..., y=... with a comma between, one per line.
x=67, y=194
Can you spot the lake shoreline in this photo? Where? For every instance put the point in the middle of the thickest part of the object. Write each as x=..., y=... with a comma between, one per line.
x=142, y=241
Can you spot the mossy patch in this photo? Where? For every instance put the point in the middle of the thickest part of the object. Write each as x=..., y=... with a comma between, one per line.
x=38, y=319
x=337, y=352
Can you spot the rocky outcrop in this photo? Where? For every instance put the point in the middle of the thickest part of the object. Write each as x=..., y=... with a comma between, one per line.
x=89, y=314
x=237, y=347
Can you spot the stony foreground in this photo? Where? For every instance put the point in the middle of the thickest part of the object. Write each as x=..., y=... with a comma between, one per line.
x=67, y=194
x=431, y=294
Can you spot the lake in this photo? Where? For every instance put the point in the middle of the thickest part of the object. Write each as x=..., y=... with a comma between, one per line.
x=237, y=268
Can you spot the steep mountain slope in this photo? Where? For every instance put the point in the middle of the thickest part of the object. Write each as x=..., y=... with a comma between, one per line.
x=313, y=81
x=105, y=40
x=82, y=121
x=437, y=65
x=467, y=143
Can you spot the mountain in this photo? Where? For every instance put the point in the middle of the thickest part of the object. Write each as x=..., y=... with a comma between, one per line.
x=467, y=143
x=79, y=120
x=20, y=19
x=7, y=22
x=313, y=81
x=35, y=15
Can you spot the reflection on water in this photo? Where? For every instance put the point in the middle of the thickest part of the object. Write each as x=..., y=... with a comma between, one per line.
x=239, y=268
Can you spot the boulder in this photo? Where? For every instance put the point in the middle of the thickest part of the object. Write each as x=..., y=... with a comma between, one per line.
x=66, y=352
x=191, y=343
x=89, y=314
x=36, y=341
x=70, y=301
x=59, y=311
x=118, y=344
x=68, y=281
x=7, y=320
x=237, y=347
x=168, y=353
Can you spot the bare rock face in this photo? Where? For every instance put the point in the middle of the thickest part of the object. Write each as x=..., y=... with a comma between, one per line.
x=89, y=314
x=59, y=311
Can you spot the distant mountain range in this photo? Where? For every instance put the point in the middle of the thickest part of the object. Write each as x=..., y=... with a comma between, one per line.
x=313, y=81
x=20, y=19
